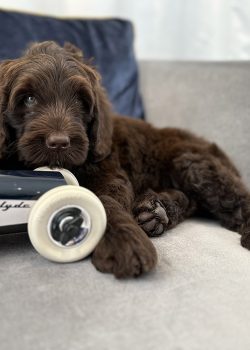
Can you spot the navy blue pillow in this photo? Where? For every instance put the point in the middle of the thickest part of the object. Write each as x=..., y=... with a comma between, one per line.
x=109, y=42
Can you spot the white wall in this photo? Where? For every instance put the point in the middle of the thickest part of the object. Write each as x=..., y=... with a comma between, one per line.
x=166, y=29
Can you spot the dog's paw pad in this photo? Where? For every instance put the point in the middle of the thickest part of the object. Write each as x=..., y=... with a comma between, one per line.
x=152, y=217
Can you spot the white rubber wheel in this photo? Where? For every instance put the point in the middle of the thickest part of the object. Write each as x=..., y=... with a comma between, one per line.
x=68, y=176
x=46, y=208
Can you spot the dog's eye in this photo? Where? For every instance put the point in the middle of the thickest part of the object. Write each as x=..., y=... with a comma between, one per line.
x=30, y=101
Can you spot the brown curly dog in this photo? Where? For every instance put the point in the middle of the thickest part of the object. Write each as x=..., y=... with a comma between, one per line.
x=54, y=111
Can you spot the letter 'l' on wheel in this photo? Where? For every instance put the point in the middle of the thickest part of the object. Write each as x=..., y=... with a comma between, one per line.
x=66, y=223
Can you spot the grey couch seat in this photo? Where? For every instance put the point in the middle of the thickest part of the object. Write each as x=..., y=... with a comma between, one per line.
x=198, y=295
x=197, y=298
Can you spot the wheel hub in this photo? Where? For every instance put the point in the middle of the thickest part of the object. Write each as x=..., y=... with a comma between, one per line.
x=69, y=226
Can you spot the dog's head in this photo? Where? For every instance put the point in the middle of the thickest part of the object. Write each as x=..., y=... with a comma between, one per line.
x=53, y=110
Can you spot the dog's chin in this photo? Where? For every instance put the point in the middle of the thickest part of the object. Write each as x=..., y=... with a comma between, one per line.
x=55, y=160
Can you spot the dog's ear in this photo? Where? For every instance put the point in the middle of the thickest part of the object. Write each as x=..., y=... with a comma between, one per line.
x=74, y=51
x=3, y=67
x=98, y=108
x=101, y=128
x=2, y=131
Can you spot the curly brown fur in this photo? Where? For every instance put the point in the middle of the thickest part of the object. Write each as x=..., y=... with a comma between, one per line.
x=54, y=111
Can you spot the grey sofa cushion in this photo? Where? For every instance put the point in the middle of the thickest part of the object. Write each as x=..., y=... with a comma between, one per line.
x=211, y=99
x=197, y=298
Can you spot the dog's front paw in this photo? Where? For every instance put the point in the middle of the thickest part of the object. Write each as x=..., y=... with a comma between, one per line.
x=151, y=216
x=127, y=253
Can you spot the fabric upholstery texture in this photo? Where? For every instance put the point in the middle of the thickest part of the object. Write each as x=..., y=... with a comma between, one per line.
x=197, y=298
x=109, y=42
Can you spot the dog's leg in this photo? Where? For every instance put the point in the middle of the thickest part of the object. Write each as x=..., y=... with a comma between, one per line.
x=157, y=212
x=125, y=250
x=217, y=188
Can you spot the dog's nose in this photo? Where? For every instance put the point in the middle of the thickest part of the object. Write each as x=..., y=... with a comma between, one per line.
x=58, y=141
